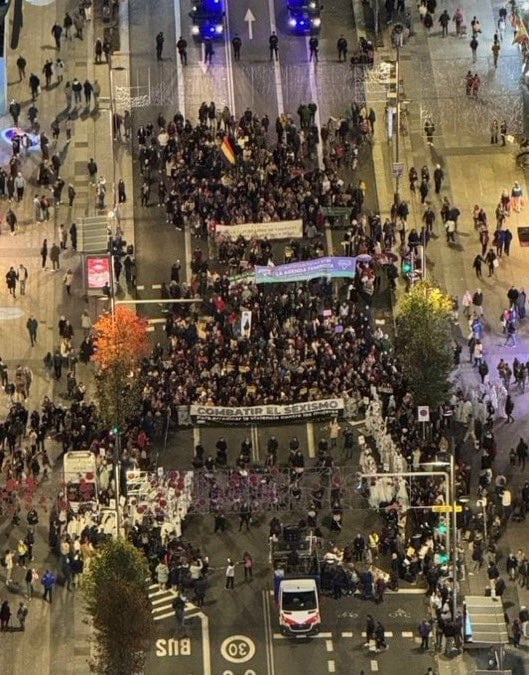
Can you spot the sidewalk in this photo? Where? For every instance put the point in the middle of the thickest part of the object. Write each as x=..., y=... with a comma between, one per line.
x=53, y=630
x=432, y=74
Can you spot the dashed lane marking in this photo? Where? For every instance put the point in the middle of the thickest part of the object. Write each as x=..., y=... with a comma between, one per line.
x=328, y=645
x=374, y=666
x=331, y=667
x=347, y=634
x=278, y=636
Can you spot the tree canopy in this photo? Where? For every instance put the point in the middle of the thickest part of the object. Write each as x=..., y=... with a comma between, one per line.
x=121, y=342
x=424, y=342
x=116, y=595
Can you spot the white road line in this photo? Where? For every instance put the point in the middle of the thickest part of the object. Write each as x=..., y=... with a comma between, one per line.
x=206, y=649
x=407, y=634
x=149, y=329
x=277, y=67
x=314, y=96
x=229, y=60
x=278, y=636
x=140, y=288
x=310, y=440
x=331, y=667
x=156, y=287
x=196, y=436
x=152, y=585
x=179, y=67
x=151, y=322
x=270, y=667
x=329, y=646
x=374, y=666
x=161, y=617
x=347, y=634
x=388, y=634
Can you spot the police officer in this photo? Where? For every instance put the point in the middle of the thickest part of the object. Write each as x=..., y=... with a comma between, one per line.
x=341, y=45
x=181, y=46
x=313, y=46
x=273, y=44
x=159, y=46
x=237, y=42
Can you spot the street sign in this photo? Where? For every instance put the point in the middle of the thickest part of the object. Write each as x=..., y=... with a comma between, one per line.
x=398, y=169
x=447, y=508
x=423, y=413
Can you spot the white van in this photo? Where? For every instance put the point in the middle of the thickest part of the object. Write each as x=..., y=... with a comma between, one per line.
x=299, y=608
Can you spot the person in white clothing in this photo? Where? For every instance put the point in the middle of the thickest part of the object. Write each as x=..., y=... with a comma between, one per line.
x=230, y=575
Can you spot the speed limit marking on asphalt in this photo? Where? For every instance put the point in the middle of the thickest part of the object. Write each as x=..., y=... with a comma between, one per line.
x=237, y=649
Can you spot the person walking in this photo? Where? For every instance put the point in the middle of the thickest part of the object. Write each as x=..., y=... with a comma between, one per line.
x=425, y=628
x=5, y=616
x=22, y=615
x=55, y=252
x=429, y=130
x=44, y=252
x=230, y=574
x=474, y=44
x=494, y=130
x=179, y=605
x=11, y=282
x=88, y=89
x=159, y=46
x=509, y=408
x=32, y=326
x=14, y=111
x=56, y=31
x=495, y=49
x=48, y=582
x=208, y=50
x=273, y=45
x=67, y=280
x=30, y=578
x=22, y=274
x=341, y=46
x=313, y=49
x=236, y=44
x=181, y=47
x=21, y=65
x=438, y=178
x=247, y=562
x=9, y=563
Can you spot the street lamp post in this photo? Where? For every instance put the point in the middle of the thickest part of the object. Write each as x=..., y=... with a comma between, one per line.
x=453, y=543
x=111, y=70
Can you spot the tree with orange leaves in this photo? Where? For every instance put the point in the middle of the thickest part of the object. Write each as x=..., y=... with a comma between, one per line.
x=120, y=344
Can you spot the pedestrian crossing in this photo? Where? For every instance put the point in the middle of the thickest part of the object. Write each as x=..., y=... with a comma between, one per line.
x=162, y=602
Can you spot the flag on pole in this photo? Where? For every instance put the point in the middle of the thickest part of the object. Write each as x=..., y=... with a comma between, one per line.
x=228, y=150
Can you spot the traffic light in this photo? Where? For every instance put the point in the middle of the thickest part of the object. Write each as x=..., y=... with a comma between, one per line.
x=441, y=529
x=114, y=431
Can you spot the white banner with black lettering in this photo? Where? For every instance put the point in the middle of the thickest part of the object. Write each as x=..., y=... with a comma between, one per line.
x=267, y=413
x=280, y=229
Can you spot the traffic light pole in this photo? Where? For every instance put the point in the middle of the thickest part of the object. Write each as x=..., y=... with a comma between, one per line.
x=414, y=474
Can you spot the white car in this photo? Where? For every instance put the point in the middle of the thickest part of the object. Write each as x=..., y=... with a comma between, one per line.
x=299, y=608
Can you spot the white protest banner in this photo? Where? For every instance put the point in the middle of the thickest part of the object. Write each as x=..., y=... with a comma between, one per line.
x=281, y=229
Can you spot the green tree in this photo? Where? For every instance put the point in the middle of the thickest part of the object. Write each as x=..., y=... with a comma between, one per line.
x=424, y=342
x=116, y=595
